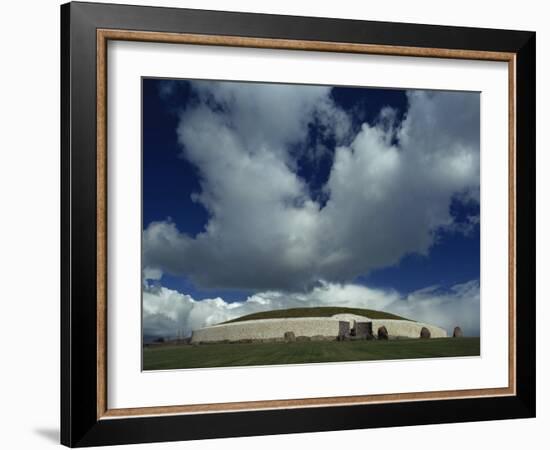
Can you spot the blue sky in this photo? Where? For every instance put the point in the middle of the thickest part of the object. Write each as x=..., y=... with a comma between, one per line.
x=235, y=174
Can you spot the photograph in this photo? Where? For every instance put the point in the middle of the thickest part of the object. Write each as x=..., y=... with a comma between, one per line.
x=303, y=224
x=289, y=222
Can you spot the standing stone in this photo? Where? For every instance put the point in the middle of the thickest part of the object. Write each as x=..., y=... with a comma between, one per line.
x=457, y=332
x=383, y=333
x=289, y=336
x=363, y=329
x=425, y=333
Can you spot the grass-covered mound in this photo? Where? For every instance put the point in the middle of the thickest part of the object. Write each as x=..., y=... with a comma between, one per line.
x=320, y=311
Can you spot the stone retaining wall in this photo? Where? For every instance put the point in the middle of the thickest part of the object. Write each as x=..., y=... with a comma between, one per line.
x=330, y=327
x=406, y=328
x=271, y=329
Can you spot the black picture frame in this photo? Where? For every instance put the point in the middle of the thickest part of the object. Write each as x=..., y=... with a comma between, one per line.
x=80, y=425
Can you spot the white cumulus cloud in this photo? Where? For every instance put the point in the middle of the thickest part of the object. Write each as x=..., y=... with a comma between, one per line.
x=388, y=191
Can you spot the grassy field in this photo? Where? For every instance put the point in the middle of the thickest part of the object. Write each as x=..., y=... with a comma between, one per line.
x=226, y=355
x=321, y=311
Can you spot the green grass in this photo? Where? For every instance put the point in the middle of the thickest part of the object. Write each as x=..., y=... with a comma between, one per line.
x=321, y=311
x=226, y=355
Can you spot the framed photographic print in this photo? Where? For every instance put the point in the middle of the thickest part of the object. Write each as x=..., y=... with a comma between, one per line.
x=276, y=224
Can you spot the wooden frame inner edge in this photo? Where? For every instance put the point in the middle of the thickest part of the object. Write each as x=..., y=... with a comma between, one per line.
x=103, y=35
x=101, y=223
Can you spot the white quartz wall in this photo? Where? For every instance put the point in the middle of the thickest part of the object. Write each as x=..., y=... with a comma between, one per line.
x=271, y=329
x=307, y=326
x=406, y=328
